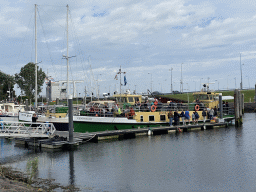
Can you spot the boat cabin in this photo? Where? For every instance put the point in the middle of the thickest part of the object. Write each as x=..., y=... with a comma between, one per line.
x=209, y=99
x=127, y=98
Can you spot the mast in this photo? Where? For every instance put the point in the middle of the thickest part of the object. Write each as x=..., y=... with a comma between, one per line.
x=241, y=84
x=67, y=58
x=35, y=60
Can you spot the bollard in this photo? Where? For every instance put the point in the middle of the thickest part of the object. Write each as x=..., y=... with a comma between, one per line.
x=150, y=132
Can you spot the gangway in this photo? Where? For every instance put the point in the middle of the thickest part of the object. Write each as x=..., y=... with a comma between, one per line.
x=26, y=129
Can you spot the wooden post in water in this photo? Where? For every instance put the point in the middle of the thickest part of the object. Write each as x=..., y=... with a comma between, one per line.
x=70, y=118
x=255, y=94
x=242, y=100
x=238, y=121
x=221, y=108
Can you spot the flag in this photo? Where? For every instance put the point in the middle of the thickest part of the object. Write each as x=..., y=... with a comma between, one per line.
x=125, y=82
x=116, y=78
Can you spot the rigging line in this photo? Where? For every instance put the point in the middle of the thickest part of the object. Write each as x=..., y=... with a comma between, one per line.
x=47, y=43
x=54, y=19
x=52, y=6
x=80, y=50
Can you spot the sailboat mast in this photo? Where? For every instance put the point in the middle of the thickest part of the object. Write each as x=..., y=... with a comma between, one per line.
x=35, y=60
x=67, y=58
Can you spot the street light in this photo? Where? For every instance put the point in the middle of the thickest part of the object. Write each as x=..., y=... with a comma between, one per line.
x=98, y=86
x=200, y=84
x=227, y=82
x=171, y=79
x=181, y=81
x=241, y=84
x=218, y=85
x=151, y=81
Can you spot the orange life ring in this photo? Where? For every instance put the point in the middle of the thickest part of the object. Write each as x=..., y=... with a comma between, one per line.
x=197, y=107
x=153, y=108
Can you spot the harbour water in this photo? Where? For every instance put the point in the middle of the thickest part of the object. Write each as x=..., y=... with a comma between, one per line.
x=220, y=159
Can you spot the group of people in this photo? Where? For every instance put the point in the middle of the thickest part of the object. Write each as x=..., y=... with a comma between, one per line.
x=174, y=118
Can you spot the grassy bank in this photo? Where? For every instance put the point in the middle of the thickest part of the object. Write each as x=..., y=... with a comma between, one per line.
x=248, y=95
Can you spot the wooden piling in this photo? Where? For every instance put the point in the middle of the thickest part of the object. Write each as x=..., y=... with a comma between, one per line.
x=237, y=106
x=242, y=103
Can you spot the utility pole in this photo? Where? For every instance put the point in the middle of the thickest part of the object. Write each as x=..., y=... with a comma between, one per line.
x=171, y=80
x=241, y=85
x=181, y=81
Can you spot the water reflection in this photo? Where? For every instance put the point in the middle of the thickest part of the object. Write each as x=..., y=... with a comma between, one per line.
x=218, y=160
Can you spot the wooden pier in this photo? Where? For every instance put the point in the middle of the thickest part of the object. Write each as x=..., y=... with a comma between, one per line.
x=61, y=140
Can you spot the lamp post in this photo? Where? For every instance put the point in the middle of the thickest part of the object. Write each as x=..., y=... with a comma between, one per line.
x=151, y=81
x=98, y=92
x=227, y=82
x=241, y=84
x=200, y=84
x=171, y=79
x=218, y=85
x=181, y=81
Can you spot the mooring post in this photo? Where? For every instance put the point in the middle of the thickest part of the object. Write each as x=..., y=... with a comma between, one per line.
x=240, y=105
x=237, y=106
x=70, y=118
x=255, y=94
x=242, y=98
x=221, y=108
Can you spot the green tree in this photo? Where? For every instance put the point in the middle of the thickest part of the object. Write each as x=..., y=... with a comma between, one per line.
x=26, y=79
x=7, y=83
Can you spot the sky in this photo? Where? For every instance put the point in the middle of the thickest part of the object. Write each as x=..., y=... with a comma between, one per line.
x=156, y=43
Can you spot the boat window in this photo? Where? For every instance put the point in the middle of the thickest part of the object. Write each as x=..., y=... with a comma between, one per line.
x=141, y=118
x=151, y=118
x=124, y=100
x=130, y=99
x=203, y=97
x=162, y=117
x=136, y=99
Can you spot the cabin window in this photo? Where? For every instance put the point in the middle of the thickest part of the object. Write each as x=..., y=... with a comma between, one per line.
x=124, y=100
x=162, y=118
x=136, y=99
x=141, y=118
x=151, y=118
x=130, y=99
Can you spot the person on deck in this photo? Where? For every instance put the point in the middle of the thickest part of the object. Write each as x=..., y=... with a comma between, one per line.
x=196, y=117
x=170, y=116
x=187, y=116
x=176, y=117
x=204, y=115
x=34, y=119
x=182, y=115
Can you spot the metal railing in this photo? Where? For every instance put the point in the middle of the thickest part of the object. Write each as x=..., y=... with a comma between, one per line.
x=26, y=129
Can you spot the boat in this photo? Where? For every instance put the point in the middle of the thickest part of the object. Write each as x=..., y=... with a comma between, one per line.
x=10, y=111
x=136, y=113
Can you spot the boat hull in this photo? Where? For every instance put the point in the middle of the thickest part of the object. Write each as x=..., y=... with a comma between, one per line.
x=85, y=124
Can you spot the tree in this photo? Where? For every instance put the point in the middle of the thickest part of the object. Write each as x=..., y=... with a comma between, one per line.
x=26, y=79
x=6, y=84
